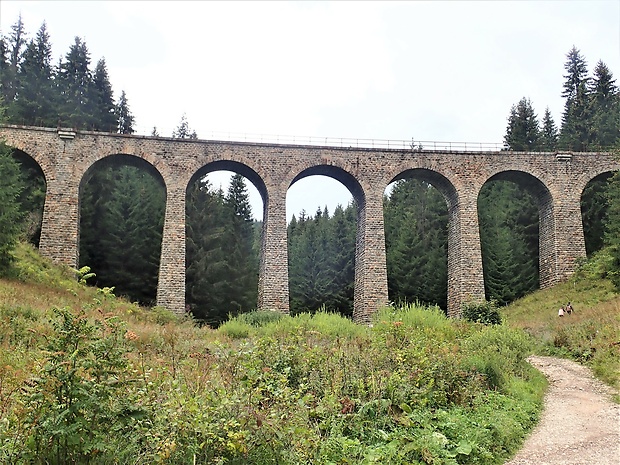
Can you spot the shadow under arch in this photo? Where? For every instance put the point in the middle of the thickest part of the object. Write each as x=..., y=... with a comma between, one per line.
x=445, y=245
x=32, y=198
x=324, y=251
x=526, y=235
x=594, y=204
x=122, y=201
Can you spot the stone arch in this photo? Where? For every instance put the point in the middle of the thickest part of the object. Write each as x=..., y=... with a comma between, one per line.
x=337, y=173
x=197, y=302
x=236, y=166
x=24, y=144
x=457, y=290
x=434, y=178
x=121, y=160
x=345, y=275
x=100, y=159
x=592, y=173
x=33, y=161
x=543, y=193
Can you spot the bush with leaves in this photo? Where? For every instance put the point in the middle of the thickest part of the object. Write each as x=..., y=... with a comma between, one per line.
x=77, y=409
x=482, y=312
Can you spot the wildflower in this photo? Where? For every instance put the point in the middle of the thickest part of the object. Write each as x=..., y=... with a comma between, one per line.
x=131, y=336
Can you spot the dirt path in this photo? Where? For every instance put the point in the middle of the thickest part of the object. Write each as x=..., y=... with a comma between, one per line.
x=580, y=425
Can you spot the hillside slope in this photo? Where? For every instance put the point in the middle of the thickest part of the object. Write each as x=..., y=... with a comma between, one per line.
x=590, y=335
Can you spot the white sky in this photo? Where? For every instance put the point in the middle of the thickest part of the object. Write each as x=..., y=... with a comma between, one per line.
x=433, y=71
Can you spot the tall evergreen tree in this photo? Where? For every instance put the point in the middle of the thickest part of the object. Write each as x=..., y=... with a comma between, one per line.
x=104, y=115
x=16, y=41
x=508, y=218
x=242, y=263
x=206, y=234
x=309, y=274
x=523, y=132
x=594, y=213
x=124, y=118
x=576, y=133
x=5, y=79
x=612, y=227
x=416, y=230
x=11, y=185
x=605, y=101
x=75, y=84
x=121, y=223
x=35, y=103
x=549, y=133
x=341, y=255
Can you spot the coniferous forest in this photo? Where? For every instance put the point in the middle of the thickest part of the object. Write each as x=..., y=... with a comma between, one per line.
x=122, y=202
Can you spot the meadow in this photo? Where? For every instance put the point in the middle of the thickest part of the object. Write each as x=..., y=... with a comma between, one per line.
x=89, y=378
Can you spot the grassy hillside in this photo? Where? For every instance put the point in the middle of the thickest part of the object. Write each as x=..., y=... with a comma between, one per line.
x=590, y=335
x=89, y=378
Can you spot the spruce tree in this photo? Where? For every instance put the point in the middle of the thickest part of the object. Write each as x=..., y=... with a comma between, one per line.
x=416, y=230
x=612, y=227
x=594, y=213
x=206, y=260
x=242, y=257
x=576, y=132
x=16, y=41
x=36, y=102
x=121, y=223
x=11, y=186
x=523, y=132
x=124, y=118
x=5, y=80
x=509, y=222
x=549, y=133
x=605, y=101
x=103, y=108
x=75, y=84
x=183, y=131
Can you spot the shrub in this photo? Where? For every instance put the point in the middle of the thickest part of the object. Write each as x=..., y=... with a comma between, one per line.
x=482, y=312
x=78, y=395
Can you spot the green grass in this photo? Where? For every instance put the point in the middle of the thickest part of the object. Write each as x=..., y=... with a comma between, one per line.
x=86, y=377
x=590, y=335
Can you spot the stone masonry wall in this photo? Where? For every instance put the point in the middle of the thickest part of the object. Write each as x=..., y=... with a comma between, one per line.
x=556, y=180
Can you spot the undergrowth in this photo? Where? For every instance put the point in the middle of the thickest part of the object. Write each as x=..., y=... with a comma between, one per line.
x=89, y=378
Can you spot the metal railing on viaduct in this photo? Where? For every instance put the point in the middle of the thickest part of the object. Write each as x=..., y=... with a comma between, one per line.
x=556, y=180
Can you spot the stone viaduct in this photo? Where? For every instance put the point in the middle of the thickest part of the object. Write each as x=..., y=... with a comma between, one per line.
x=556, y=180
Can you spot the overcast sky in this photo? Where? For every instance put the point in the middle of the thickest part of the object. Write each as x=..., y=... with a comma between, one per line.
x=433, y=71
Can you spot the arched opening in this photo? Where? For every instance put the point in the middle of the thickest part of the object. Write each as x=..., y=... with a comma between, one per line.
x=32, y=198
x=416, y=218
x=321, y=208
x=122, y=205
x=511, y=210
x=594, y=205
x=224, y=214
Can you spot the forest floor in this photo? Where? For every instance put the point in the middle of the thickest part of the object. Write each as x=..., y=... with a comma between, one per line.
x=580, y=424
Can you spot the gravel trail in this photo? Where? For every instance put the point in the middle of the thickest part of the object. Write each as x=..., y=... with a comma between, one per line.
x=580, y=425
